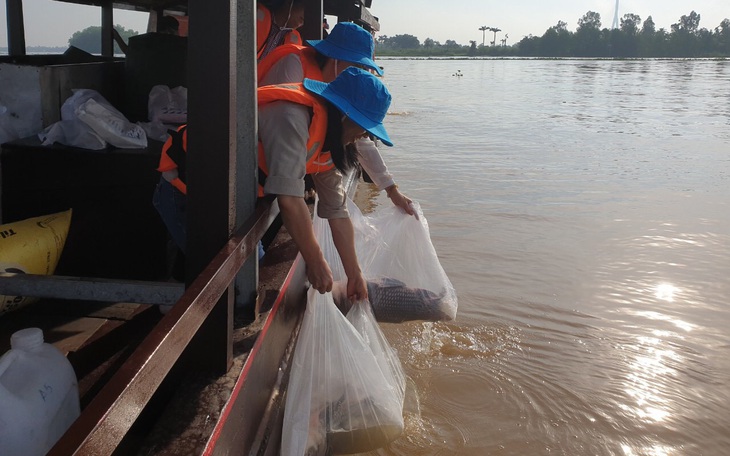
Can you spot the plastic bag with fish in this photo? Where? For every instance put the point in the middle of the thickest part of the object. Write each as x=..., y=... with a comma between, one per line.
x=346, y=388
x=405, y=278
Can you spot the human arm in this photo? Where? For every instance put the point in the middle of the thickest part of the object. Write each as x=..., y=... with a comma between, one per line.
x=283, y=129
x=332, y=206
x=373, y=163
x=298, y=223
x=343, y=236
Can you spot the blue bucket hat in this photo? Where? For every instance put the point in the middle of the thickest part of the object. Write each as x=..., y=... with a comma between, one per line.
x=348, y=42
x=360, y=96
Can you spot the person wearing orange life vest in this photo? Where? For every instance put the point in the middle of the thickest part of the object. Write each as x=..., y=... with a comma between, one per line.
x=276, y=24
x=303, y=129
x=171, y=192
x=347, y=44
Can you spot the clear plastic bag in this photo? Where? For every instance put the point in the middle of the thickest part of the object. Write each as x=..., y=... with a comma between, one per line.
x=111, y=126
x=166, y=105
x=89, y=121
x=345, y=392
x=73, y=133
x=405, y=278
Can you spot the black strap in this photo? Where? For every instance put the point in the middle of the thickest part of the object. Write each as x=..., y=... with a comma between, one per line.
x=262, y=177
x=177, y=151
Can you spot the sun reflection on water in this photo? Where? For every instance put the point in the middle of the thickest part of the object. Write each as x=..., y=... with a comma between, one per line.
x=658, y=450
x=666, y=292
x=644, y=381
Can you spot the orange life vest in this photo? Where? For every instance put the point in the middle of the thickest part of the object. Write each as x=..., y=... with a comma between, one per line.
x=263, y=27
x=306, y=56
x=173, y=156
x=319, y=161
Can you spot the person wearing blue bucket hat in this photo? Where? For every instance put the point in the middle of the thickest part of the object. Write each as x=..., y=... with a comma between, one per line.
x=349, y=42
x=303, y=130
x=347, y=45
x=358, y=96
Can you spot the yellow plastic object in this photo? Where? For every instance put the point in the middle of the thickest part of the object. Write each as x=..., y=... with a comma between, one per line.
x=31, y=246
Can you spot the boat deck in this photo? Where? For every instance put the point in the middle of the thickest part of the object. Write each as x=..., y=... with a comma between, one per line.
x=98, y=337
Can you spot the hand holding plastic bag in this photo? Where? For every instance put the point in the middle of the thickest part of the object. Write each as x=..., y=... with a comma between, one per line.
x=404, y=275
x=345, y=392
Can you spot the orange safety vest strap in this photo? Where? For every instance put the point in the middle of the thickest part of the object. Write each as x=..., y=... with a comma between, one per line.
x=319, y=161
x=306, y=55
x=263, y=27
x=173, y=156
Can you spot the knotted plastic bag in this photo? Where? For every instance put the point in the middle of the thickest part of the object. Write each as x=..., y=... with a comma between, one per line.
x=168, y=106
x=346, y=389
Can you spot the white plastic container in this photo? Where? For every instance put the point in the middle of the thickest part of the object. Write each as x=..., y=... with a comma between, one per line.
x=39, y=395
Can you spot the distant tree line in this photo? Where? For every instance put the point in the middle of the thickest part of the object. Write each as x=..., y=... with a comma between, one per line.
x=89, y=39
x=633, y=38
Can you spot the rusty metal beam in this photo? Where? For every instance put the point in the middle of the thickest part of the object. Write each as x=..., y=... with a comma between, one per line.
x=91, y=289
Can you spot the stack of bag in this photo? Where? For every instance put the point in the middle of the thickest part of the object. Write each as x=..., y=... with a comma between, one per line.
x=347, y=386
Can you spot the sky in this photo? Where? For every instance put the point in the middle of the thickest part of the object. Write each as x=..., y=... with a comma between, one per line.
x=51, y=23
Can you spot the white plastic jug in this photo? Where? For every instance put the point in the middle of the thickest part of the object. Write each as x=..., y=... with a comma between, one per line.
x=39, y=395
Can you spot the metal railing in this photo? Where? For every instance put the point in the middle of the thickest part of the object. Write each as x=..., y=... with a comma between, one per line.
x=107, y=419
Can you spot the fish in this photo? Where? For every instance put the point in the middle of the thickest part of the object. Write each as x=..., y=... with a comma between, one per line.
x=393, y=301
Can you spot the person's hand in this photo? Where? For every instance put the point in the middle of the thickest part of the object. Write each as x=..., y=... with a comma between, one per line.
x=357, y=288
x=401, y=200
x=320, y=276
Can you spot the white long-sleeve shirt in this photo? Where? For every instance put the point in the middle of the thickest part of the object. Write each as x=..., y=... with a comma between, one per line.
x=373, y=164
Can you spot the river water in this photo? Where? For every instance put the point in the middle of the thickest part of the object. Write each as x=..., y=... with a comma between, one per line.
x=581, y=210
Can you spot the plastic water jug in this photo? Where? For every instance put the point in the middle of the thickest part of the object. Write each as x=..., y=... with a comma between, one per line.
x=39, y=395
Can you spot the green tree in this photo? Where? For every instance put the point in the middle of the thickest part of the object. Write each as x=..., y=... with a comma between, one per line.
x=472, y=48
x=722, y=33
x=403, y=42
x=588, y=40
x=529, y=46
x=484, y=29
x=557, y=41
x=684, y=40
x=630, y=24
x=451, y=45
x=89, y=39
x=646, y=37
x=648, y=28
x=590, y=21
x=626, y=43
x=687, y=24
